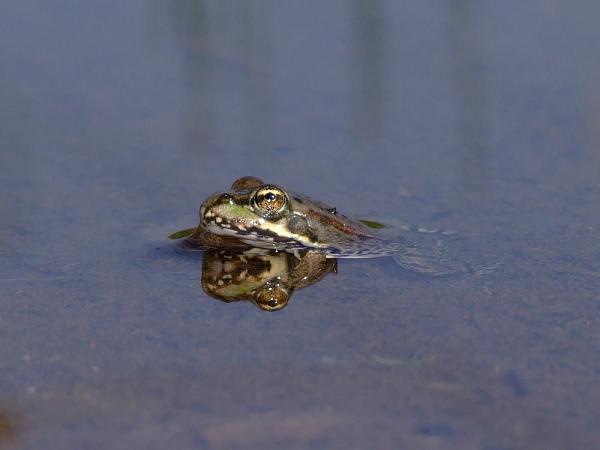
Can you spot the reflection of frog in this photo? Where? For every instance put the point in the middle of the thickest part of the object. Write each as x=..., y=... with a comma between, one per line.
x=259, y=214
x=265, y=277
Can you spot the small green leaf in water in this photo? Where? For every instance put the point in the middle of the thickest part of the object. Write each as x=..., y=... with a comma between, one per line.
x=373, y=224
x=182, y=233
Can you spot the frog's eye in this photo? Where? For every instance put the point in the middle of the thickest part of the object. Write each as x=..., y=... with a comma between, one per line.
x=270, y=201
x=271, y=298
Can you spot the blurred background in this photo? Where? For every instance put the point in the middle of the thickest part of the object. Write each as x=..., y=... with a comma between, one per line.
x=117, y=119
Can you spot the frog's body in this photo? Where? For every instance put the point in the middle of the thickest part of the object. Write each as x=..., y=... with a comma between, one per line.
x=258, y=214
x=281, y=220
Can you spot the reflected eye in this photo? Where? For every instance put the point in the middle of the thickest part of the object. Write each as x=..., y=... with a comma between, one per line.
x=270, y=201
x=271, y=299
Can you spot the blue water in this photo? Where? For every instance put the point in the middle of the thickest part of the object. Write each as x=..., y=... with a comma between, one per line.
x=117, y=119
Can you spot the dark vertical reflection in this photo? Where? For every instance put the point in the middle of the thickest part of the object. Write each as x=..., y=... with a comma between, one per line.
x=368, y=56
x=227, y=52
x=258, y=79
x=590, y=91
x=469, y=76
x=193, y=33
x=16, y=156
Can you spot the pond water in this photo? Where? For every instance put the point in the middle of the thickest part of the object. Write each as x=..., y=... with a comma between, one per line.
x=117, y=119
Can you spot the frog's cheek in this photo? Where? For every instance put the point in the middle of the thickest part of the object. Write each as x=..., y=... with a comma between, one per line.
x=298, y=225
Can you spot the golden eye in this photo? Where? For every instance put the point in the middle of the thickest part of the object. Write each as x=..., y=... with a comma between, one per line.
x=270, y=201
x=271, y=298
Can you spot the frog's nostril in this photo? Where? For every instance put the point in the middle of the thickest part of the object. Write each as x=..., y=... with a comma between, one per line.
x=225, y=198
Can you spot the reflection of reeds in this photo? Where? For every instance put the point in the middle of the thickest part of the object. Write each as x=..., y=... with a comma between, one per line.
x=464, y=39
x=369, y=34
x=220, y=42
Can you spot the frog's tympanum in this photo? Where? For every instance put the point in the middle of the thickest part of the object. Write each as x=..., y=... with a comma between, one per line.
x=264, y=215
x=262, y=276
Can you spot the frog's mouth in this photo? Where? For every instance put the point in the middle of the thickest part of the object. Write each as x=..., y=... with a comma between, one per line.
x=253, y=235
x=252, y=230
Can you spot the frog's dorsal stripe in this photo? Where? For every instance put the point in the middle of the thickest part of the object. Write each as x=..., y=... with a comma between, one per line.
x=340, y=222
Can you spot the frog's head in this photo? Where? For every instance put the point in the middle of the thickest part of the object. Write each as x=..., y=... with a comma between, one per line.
x=258, y=213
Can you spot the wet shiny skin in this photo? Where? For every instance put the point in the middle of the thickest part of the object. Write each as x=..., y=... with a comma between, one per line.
x=265, y=215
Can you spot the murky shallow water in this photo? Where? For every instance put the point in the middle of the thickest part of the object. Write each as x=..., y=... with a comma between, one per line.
x=118, y=118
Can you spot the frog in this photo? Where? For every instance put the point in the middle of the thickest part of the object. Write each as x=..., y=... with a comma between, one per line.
x=259, y=214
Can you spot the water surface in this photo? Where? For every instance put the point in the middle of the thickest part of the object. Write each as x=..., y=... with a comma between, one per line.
x=118, y=118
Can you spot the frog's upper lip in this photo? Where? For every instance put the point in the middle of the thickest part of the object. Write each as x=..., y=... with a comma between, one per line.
x=216, y=197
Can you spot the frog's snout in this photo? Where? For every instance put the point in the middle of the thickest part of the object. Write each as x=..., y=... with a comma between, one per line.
x=207, y=209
